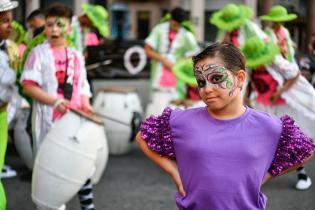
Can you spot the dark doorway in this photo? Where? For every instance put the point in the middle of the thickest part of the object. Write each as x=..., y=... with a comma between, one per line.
x=143, y=21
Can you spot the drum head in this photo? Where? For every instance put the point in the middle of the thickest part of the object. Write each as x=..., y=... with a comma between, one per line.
x=123, y=90
x=92, y=117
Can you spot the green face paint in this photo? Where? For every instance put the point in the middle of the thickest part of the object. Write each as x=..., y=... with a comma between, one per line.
x=215, y=76
x=62, y=23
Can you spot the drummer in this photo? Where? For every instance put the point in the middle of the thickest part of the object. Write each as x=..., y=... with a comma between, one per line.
x=54, y=77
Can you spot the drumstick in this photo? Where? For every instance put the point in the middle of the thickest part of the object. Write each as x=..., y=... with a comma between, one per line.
x=112, y=119
x=98, y=64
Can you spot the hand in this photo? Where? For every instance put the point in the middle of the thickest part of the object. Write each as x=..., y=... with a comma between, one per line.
x=179, y=184
x=275, y=96
x=62, y=105
x=86, y=106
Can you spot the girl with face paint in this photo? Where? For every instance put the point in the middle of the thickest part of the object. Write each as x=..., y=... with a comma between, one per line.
x=54, y=77
x=220, y=155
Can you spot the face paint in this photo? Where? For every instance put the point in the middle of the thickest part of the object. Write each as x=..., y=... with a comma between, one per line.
x=62, y=24
x=214, y=76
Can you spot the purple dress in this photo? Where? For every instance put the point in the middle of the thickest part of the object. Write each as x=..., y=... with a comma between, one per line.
x=222, y=162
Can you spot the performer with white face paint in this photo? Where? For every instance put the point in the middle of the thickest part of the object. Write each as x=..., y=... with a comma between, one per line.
x=55, y=77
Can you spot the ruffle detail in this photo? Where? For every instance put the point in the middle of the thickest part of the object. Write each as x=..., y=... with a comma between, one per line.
x=156, y=132
x=293, y=147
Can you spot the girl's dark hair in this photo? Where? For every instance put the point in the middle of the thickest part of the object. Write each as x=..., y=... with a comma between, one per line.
x=58, y=10
x=232, y=57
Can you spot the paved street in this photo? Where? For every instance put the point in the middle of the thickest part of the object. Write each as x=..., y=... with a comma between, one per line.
x=131, y=182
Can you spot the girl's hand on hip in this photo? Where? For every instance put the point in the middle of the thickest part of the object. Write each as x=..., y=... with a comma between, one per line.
x=179, y=184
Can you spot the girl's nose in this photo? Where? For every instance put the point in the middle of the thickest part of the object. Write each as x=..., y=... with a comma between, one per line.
x=209, y=87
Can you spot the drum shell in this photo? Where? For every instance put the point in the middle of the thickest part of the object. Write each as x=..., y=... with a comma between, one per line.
x=22, y=139
x=101, y=157
x=65, y=160
x=119, y=106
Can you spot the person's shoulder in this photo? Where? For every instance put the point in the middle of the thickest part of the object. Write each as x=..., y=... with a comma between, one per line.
x=161, y=26
x=12, y=44
x=265, y=120
x=182, y=114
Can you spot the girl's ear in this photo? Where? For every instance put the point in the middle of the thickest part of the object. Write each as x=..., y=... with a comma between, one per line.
x=241, y=77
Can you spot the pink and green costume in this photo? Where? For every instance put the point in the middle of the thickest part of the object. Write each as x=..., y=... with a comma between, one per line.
x=174, y=46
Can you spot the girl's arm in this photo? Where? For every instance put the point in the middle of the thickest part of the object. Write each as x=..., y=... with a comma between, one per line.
x=167, y=164
x=286, y=86
x=151, y=53
x=41, y=96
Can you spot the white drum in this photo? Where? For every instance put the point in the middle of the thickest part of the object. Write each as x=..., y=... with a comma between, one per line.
x=186, y=104
x=22, y=139
x=67, y=158
x=122, y=112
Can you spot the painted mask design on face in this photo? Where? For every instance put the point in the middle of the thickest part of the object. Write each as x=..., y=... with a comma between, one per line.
x=60, y=23
x=214, y=76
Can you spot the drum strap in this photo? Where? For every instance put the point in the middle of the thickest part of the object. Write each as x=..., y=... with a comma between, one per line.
x=67, y=87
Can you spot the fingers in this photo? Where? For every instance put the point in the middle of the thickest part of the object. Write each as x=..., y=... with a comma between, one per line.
x=62, y=105
x=181, y=190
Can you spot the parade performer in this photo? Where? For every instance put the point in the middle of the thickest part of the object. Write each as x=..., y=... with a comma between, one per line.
x=281, y=36
x=278, y=33
x=167, y=43
x=9, y=61
x=93, y=17
x=220, y=155
x=235, y=24
x=281, y=89
x=55, y=77
x=36, y=22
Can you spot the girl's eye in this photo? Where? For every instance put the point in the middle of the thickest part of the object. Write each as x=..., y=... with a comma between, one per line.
x=217, y=78
x=60, y=25
x=49, y=24
x=201, y=83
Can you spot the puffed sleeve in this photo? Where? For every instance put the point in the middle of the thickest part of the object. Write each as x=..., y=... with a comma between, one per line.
x=32, y=69
x=293, y=147
x=156, y=132
x=153, y=38
x=287, y=69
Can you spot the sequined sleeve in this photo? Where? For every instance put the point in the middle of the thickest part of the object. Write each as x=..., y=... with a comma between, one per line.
x=293, y=147
x=156, y=131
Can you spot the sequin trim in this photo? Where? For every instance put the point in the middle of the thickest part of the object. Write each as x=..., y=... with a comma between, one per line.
x=156, y=131
x=293, y=147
